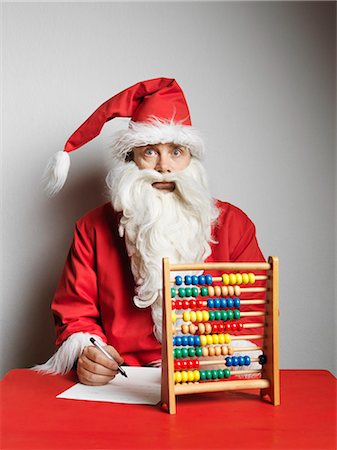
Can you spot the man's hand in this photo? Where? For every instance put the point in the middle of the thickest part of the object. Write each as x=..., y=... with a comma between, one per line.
x=94, y=368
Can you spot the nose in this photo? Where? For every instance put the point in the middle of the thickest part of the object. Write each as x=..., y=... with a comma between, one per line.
x=163, y=164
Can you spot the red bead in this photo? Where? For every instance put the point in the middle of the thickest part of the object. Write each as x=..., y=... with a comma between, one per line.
x=193, y=304
x=215, y=328
x=228, y=326
x=234, y=326
x=173, y=304
x=186, y=304
x=196, y=364
x=190, y=364
x=177, y=364
x=184, y=364
x=240, y=326
x=179, y=304
x=221, y=328
x=200, y=303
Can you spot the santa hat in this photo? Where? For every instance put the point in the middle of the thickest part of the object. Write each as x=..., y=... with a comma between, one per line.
x=158, y=112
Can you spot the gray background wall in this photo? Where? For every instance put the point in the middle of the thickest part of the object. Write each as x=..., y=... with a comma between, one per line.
x=260, y=82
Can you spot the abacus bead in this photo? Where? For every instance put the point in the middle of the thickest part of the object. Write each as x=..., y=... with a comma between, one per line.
x=198, y=351
x=262, y=359
x=188, y=292
x=192, y=328
x=205, y=351
x=227, y=338
x=227, y=373
x=191, y=351
x=203, y=340
x=208, y=328
x=184, y=376
x=235, y=361
x=221, y=328
x=177, y=340
x=194, y=279
x=251, y=277
x=202, y=375
x=190, y=376
x=179, y=304
x=221, y=338
x=195, y=292
x=211, y=351
x=223, y=303
x=215, y=339
x=231, y=291
x=196, y=374
x=177, y=377
x=193, y=316
x=230, y=350
x=215, y=328
x=185, y=328
x=217, y=350
x=190, y=340
x=205, y=315
x=211, y=315
x=238, y=278
x=186, y=304
x=173, y=304
x=190, y=364
x=217, y=290
x=241, y=360
x=214, y=374
x=224, y=350
x=245, y=278
x=217, y=303
x=221, y=374
x=236, y=314
x=237, y=290
x=204, y=291
x=201, y=328
x=196, y=340
x=224, y=290
x=210, y=291
x=177, y=364
x=173, y=292
x=193, y=304
x=184, y=352
x=210, y=303
x=230, y=303
x=225, y=279
x=218, y=315
x=183, y=364
x=186, y=316
x=228, y=326
x=229, y=361
x=234, y=326
x=179, y=280
x=174, y=317
x=208, y=374
x=177, y=352
x=201, y=279
x=230, y=314
x=184, y=340
x=223, y=315
x=240, y=326
x=200, y=303
x=188, y=280
x=232, y=278
x=247, y=360
x=209, y=339
x=199, y=316
x=208, y=279
x=237, y=302
x=181, y=292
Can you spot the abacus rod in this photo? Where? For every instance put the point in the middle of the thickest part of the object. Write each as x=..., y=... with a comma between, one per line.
x=257, y=277
x=242, y=314
x=244, y=325
x=221, y=361
x=247, y=336
x=230, y=385
x=220, y=266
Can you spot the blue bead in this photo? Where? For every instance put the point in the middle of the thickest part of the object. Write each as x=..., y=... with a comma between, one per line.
x=201, y=279
x=194, y=279
x=230, y=303
x=196, y=340
x=208, y=279
x=223, y=303
x=188, y=280
x=235, y=361
x=184, y=340
x=210, y=303
x=229, y=361
x=179, y=280
x=178, y=340
x=217, y=303
x=247, y=360
x=241, y=360
x=190, y=340
x=237, y=302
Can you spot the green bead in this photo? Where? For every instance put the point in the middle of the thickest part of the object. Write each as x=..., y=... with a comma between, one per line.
x=191, y=351
x=236, y=314
x=182, y=292
x=188, y=292
x=195, y=292
x=227, y=373
x=204, y=291
x=184, y=352
x=224, y=314
x=202, y=375
x=198, y=351
x=217, y=315
x=211, y=315
x=173, y=292
x=230, y=314
x=214, y=374
x=177, y=353
x=208, y=374
x=221, y=374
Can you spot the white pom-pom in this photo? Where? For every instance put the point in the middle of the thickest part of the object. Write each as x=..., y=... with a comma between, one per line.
x=56, y=172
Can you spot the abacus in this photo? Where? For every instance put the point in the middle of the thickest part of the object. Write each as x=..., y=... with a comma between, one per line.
x=209, y=309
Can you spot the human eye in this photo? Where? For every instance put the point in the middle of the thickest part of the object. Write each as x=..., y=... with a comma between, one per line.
x=177, y=151
x=149, y=152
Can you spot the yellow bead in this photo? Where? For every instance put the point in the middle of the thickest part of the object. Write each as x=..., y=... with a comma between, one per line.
x=186, y=316
x=193, y=316
x=174, y=317
x=190, y=375
x=203, y=340
x=232, y=278
x=245, y=278
x=227, y=338
x=184, y=376
x=238, y=278
x=209, y=339
x=177, y=377
x=221, y=338
x=211, y=291
x=196, y=374
x=199, y=316
x=251, y=278
x=205, y=315
x=225, y=279
x=215, y=338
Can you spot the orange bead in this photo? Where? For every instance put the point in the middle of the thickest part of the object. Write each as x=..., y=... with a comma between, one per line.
x=211, y=351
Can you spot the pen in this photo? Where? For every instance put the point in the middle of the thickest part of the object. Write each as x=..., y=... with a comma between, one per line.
x=96, y=344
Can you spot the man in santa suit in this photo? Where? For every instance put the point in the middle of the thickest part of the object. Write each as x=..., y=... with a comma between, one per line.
x=159, y=206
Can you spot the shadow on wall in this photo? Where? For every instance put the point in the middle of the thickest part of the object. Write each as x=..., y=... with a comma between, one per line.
x=79, y=196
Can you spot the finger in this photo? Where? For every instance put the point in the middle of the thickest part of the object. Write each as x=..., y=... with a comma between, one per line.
x=114, y=353
x=98, y=357
x=95, y=367
x=92, y=379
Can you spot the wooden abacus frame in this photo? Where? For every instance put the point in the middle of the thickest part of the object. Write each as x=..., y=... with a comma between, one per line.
x=269, y=383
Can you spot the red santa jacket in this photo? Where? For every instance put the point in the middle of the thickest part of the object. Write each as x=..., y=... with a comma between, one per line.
x=96, y=289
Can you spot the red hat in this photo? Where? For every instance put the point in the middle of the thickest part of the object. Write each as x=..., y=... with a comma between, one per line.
x=158, y=112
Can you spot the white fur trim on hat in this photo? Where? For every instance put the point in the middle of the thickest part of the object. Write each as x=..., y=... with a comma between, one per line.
x=56, y=172
x=66, y=356
x=156, y=132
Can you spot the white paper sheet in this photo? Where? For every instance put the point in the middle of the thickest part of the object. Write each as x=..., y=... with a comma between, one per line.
x=142, y=386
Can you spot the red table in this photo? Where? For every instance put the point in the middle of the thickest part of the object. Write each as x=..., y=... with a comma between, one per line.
x=33, y=418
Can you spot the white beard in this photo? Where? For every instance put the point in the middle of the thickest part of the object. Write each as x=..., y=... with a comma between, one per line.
x=160, y=224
